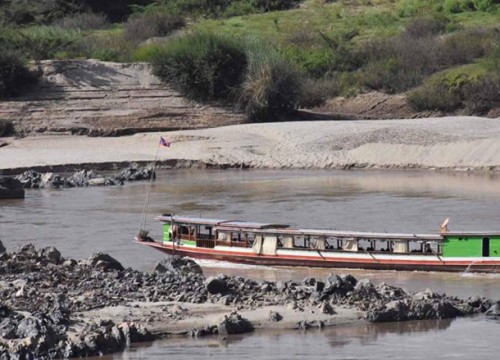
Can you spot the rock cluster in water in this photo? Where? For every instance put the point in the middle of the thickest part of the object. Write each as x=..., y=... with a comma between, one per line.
x=34, y=180
x=52, y=325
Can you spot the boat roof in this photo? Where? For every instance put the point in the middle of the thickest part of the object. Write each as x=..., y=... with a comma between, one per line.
x=222, y=224
x=471, y=233
x=189, y=220
x=282, y=229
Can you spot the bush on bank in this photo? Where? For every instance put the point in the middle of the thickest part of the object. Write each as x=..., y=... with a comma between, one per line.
x=202, y=66
x=13, y=73
x=247, y=74
x=473, y=89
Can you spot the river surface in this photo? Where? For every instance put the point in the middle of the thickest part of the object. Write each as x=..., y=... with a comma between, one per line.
x=80, y=222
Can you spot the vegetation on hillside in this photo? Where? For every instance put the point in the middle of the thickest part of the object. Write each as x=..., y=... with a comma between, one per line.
x=269, y=57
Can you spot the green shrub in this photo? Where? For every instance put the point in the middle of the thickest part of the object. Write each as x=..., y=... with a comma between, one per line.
x=106, y=46
x=408, y=8
x=275, y=5
x=143, y=26
x=486, y=5
x=402, y=62
x=315, y=92
x=38, y=12
x=272, y=86
x=435, y=96
x=472, y=88
x=481, y=96
x=422, y=27
x=458, y=6
x=43, y=42
x=238, y=8
x=202, y=66
x=314, y=62
x=13, y=73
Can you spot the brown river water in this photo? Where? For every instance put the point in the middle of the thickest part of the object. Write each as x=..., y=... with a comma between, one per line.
x=82, y=221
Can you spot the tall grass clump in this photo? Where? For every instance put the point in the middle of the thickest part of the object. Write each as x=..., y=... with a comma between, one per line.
x=202, y=66
x=272, y=86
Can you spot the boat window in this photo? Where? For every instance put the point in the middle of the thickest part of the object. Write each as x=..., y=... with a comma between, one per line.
x=350, y=244
x=486, y=246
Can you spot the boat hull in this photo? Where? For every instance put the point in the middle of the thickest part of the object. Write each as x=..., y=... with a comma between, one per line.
x=333, y=260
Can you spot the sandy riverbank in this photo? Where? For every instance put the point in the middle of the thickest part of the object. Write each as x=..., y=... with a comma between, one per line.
x=155, y=316
x=454, y=143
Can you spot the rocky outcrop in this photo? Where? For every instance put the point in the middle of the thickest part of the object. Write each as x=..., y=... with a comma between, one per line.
x=96, y=98
x=104, y=262
x=494, y=311
x=53, y=326
x=234, y=324
x=10, y=188
x=216, y=285
x=34, y=180
x=177, y=263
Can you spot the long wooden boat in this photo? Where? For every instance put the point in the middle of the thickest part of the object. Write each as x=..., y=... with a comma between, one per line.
x=282, y=245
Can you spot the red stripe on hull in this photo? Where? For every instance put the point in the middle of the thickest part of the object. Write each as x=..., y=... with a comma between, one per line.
x=304, y=261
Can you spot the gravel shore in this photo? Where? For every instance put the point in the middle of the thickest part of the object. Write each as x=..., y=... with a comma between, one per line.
x=96, y=306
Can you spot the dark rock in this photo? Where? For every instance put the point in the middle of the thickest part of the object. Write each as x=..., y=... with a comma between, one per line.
x=309, y=281
x=274, y=316
x=303, y=325
x=335, y=285
x=216, y=285
x=10, y=188
x=392, y=311
x=446, y=310
x=391, y=292
x=326, y=308
x=319, y=286
x=2, y=248
x=281, y=286
x=350, y=279
x=30, y=179
x=365, y=289
x=81, y=178
x=234, y=324
x=51, y=254
x=135, y=333
x=425, y=295
x=104, y=262
x=177, y=263
x=28, y=249
x=134, y=173
x=51, y=181
x=494, y=311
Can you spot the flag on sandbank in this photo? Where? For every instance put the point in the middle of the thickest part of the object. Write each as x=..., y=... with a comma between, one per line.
x=164, y=142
